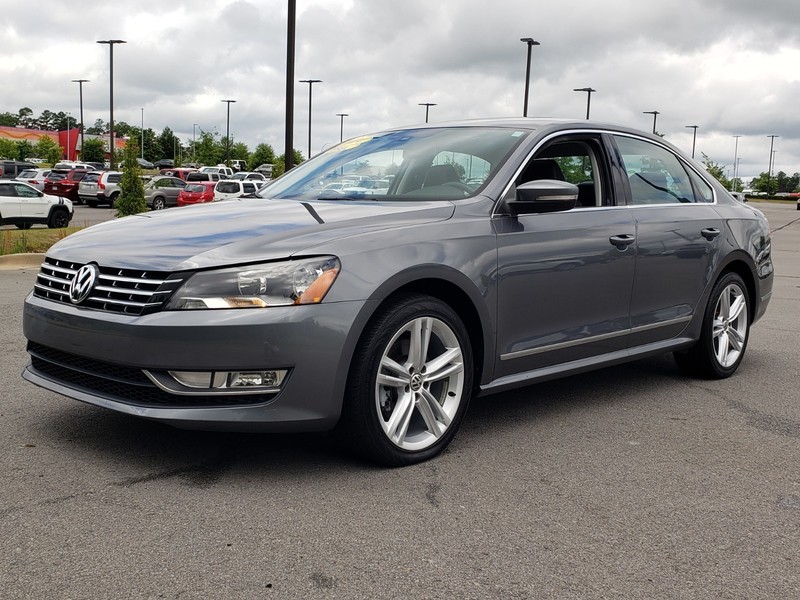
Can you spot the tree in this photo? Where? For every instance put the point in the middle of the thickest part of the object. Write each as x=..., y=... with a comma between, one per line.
x=167, y=143
x=208, y=151
x=48, y=149
x=280, y=162
x=262, y=155
x=26, y=118
x=8, y=149
x=24, y=149
x=716, y=171
x=99, y=128
x=131, y=197
x=8, y=119
x=94, y=150
x=240, y=151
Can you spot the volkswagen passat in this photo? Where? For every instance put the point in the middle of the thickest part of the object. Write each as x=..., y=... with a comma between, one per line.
x=504, y=252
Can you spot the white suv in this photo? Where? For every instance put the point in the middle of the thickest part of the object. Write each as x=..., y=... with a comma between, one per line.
x=234, y=188
x=23, y=205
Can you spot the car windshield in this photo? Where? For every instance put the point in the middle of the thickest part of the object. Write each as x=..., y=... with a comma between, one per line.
x=413, y=164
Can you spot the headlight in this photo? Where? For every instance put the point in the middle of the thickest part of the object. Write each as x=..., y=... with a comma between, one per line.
x=302, y=281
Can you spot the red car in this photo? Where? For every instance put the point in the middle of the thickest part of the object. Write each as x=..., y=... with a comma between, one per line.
x=197, y=192
x=64, y=182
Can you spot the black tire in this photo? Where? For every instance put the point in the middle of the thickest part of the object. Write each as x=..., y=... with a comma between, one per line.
x=113, y=199
x=58, y=219
x=724, y=334
x=91, y=203
x=373, y=422
x=24, y=225
x=158, y=203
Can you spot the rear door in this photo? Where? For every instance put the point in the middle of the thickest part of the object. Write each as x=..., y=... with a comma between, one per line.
x=678, y=238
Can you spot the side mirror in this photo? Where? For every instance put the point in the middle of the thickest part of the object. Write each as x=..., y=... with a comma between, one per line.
x=543, y=196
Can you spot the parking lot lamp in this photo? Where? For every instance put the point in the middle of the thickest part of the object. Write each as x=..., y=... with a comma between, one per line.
x=694, y=136
x=227, y=135
x=341, y=125
x=427, y=106
x=771, y=158
x=194, y=142
x=531, y=43
x=735, y=161
x=310, y=83
x=143, y=133
x=111, y=96
x=655, y=114
x=588, y=91
x=80, y=83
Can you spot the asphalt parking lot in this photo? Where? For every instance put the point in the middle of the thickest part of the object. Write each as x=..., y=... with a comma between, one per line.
x=630, y=482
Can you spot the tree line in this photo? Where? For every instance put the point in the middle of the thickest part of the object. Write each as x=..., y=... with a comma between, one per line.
x=209, y=148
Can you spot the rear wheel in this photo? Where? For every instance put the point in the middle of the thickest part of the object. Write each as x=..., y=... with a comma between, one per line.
x=410, y=383
x=158, y=203
x=113, y=199
x=725, y=332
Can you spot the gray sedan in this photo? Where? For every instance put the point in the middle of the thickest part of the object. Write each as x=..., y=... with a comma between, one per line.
x=504, y=252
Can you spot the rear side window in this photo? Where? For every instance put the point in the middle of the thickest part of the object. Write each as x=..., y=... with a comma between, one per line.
x=27, y=174
x=227, y=187
x=656, y=176
x=115, y=178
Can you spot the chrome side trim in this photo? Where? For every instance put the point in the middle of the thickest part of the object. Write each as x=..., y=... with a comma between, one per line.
x=592, y=339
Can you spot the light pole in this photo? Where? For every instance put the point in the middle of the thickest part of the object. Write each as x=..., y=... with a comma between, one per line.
x=143, y=133
x=531, y=42
x=771, y=157
x=655, y=114
x=735, y=161
x=111, y=95
x=588, y=91
x=227, y=135
x=288, y=154
x=341, y=125
x=310, y=83
x=427, y=106
x=694, y=136
x=67, y=152
x=80, y=83
x=194, y=143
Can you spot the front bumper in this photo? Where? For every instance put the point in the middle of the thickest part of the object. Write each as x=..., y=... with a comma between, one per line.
x=100, y=358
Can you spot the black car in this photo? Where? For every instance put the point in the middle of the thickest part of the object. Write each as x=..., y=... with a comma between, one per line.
x=164, y=163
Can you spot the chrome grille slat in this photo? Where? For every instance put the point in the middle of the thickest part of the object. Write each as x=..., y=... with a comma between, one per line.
x=123, y=291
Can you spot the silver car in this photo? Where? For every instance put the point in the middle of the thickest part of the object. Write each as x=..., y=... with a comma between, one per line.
x=504, y=252
x=34, y=177
x=162, y=191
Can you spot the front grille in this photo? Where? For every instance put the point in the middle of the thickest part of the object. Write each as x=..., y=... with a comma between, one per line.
x=128, y=385
x=126, y=291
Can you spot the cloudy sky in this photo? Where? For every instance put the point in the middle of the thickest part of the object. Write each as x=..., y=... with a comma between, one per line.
x=728, y=66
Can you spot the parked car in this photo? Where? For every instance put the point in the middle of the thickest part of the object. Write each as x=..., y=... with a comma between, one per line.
x=181, y=173
x=23, y=205
x=233, y=188
x=238, y=165
x=251, y=175
x=164, y=163
x=64, y=182
x=66, y=165
x=196, y=193
x=34, y=177
x=145, y=164
x=265, y=169
x=162, y=191
x=383, y=315
x=100, y=187
x=9, y=169
x=222, y=170
x=202, y=176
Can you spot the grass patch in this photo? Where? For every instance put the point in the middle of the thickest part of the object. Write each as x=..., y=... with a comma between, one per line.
x=18, y=241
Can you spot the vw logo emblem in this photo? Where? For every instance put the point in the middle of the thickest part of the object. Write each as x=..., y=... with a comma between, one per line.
x=82, y=283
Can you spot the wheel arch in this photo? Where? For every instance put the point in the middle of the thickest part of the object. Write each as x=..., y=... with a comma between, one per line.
x=739, y=265
x=446, y=284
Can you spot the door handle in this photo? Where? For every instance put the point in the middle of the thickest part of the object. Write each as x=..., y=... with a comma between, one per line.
x=622, y=241
x=710, y=233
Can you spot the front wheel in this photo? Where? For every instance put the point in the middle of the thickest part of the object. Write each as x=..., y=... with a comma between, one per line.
x=58, y=219
x=410, y=382
x=725, y=332
x=158, y=203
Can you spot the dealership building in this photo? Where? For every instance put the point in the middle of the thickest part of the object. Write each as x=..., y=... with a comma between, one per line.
x=68, y=139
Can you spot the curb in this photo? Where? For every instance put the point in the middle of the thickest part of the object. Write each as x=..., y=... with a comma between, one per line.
x=21, y=261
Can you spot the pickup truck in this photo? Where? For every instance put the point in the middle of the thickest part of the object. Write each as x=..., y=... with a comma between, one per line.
x=64, y=182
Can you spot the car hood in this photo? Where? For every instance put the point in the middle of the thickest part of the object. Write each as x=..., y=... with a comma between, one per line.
x=235, y=231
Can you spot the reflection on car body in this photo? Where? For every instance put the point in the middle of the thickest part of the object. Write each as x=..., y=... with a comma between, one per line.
x=500, y=253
